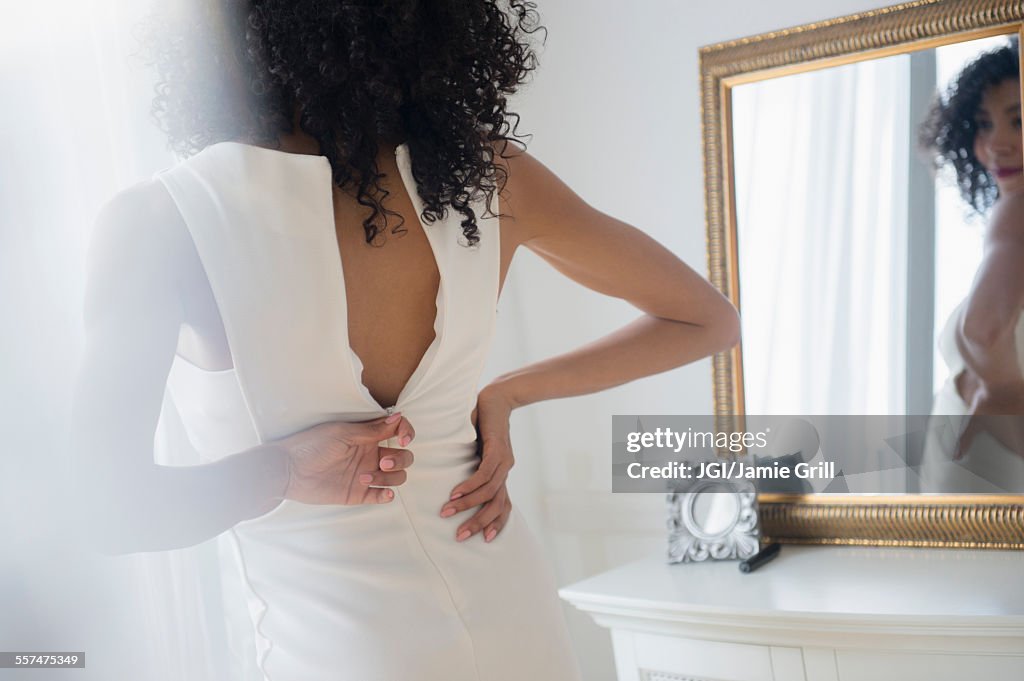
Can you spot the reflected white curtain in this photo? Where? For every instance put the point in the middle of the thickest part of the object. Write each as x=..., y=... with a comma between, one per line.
x=821, y=163
x=76, y=131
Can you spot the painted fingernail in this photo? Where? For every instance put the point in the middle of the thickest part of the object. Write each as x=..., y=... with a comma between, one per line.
x=490, y=534
x=394, y=417
x=462, y=535
x=365, y=478
x=389, y=494
x=449, y=511
x=403, y=441
x=455, y=496
x=387, y=464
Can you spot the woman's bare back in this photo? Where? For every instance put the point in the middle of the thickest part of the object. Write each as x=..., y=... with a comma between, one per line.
x=390, y=291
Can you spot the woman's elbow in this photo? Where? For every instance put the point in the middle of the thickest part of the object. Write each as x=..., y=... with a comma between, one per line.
x=982, y=331
x=724, y=327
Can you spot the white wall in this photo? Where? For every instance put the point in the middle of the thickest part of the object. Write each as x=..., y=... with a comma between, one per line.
x=615, y=112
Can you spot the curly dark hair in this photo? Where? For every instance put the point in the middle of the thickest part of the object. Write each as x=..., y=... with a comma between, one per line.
x=949, y=130
x=434, y=73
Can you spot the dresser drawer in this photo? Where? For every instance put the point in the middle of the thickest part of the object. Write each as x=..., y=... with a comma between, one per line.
x=654, y=657
x=872, y=665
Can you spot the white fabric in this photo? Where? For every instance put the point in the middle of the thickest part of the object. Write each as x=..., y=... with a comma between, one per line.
x=373, y=592
x=987, y=466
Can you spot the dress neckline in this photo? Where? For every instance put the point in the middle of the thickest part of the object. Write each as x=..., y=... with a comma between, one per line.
x=402, y=145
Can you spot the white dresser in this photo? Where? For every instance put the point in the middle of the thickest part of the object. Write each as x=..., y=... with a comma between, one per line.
x=816, y=614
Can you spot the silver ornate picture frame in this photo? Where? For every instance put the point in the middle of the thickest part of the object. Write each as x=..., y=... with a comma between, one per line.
x=715, y=520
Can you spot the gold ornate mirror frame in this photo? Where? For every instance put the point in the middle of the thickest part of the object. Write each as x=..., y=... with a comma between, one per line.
x=968, y=521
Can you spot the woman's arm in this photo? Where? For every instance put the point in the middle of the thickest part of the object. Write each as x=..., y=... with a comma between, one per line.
x=685, y=317
x=992, y=384
x=986, y=332
x=132, y=317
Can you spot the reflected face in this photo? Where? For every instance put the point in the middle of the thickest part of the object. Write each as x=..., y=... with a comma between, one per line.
x=998, y=141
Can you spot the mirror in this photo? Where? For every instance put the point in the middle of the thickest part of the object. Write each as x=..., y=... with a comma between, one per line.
x=838, y=215
x=712, y=514
x=847, y=256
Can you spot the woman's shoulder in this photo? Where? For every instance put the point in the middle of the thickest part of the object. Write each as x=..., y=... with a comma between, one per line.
x=140, y=233
x=1006, y=225
x=534, y=197
x=147, y=196
x=144, y=211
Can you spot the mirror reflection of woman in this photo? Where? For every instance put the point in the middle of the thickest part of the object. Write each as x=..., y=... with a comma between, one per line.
x=977, y=130
x=350, y=457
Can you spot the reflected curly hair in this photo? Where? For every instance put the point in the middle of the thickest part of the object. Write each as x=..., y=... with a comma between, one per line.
x=949, y=130
x=434, y=73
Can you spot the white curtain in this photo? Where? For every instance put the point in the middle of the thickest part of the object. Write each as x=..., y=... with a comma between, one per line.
x=821, y=164
x=75, y=130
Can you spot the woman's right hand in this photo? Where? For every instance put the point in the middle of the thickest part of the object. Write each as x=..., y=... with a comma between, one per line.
x=337, y=462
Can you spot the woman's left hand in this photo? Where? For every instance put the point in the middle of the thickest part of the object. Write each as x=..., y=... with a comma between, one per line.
x=487, y=485
x=967, y=384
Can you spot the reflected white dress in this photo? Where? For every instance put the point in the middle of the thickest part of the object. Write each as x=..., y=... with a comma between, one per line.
x=364, y=593
x=987, y=466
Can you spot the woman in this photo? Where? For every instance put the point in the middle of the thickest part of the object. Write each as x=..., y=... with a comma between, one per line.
x=316, y=284
x=977, y=130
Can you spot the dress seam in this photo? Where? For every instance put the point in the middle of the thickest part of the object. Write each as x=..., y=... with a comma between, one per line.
x=440, y=575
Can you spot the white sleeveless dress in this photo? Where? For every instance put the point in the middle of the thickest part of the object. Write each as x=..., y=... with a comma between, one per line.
x=373, y=592
x=987, y=466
